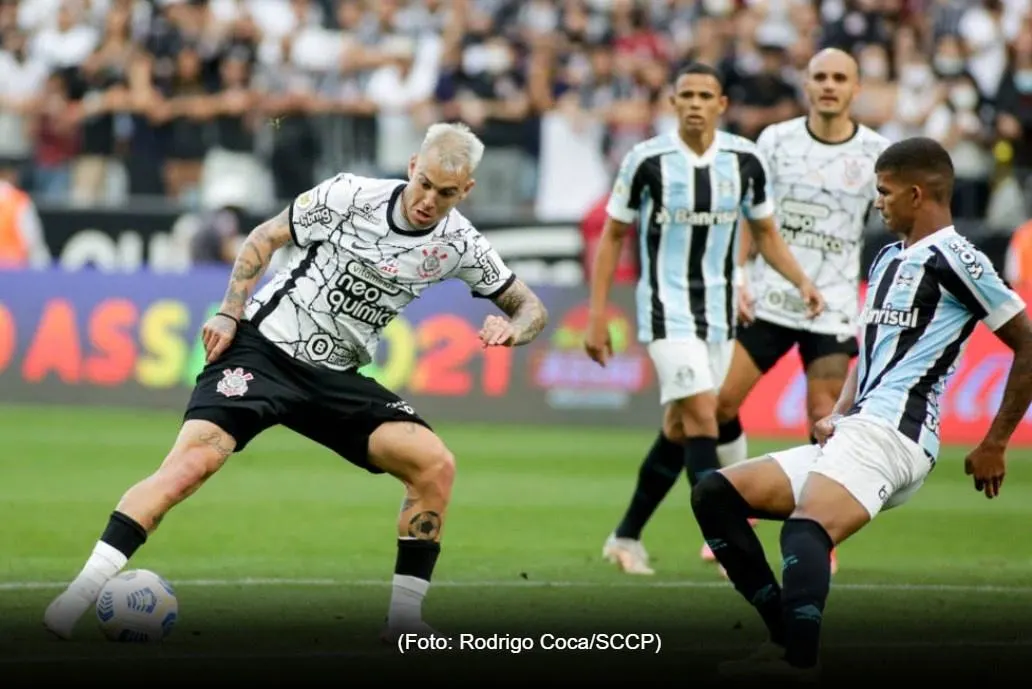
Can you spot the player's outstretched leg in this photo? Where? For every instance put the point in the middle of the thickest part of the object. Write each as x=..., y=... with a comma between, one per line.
x=723, y=503
x=413, y=454
x=742, y=376
x=658, y=474
x=199, y=451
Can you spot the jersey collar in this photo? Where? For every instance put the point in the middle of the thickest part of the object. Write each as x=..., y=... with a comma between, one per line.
x=928, y=240
x=694, y=158
x=395, y=195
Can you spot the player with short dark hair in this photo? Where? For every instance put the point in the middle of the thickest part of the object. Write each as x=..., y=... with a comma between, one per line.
x=687, y=190
x=822, y=171
x=289, y=355
x=927, y=294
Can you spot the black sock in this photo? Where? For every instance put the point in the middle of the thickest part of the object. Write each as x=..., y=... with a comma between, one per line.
x=729, y=431
x=416, y=558
x=806, y=578
x=124, y=534
x=723, y=517
x=700, y=458
x=656, y=477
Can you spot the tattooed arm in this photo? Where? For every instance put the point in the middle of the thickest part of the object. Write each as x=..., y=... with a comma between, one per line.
x=987, y=463
x=1017, y=394
x=527, y=317
x=252, y=261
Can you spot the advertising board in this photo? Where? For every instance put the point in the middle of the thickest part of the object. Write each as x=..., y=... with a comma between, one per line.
x=87, y=337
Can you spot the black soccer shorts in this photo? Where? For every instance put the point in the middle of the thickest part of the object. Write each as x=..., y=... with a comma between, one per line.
x=255, y=385
x=767, y=342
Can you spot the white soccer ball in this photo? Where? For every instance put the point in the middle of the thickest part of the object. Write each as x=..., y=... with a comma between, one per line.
x=137, y=605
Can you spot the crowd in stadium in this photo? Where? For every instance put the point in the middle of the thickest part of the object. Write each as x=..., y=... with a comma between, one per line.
x=166, y=98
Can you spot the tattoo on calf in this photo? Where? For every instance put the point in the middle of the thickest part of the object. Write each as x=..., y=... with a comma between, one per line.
x=425, y=526
x=408, y=504
x=215, y=440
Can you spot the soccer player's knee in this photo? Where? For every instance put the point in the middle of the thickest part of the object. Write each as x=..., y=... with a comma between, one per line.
x=672, y=428
x=727, y=410
x=699, y=415
x=710, y=493
x=436, y=472
x=186, y=469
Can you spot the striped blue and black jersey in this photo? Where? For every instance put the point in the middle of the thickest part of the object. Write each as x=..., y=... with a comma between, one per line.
x=688, y=209
x=923, y=303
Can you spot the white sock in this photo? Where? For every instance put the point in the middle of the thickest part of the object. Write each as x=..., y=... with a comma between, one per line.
x=407, y=600
x=105, y=562
x=733, y=452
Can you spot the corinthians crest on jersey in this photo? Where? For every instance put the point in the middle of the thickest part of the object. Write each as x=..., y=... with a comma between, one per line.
x=355, y=269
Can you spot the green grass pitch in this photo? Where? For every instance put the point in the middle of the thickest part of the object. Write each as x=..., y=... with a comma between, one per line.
x=284, y=558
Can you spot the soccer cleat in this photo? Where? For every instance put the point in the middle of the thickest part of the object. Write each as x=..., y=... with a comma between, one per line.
x=628, y=554
x=64, y=612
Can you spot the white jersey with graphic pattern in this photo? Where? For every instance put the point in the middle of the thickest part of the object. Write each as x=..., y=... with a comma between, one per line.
x=355, y=270
x=823, y=193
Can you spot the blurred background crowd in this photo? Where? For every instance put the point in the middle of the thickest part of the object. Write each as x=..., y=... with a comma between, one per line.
x=212, y=102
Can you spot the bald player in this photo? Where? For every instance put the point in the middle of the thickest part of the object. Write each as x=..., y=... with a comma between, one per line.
x=822, y=168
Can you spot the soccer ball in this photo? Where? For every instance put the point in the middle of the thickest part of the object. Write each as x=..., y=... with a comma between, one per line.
x=138, y=606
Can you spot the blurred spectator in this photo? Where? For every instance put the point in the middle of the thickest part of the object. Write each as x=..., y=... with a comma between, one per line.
x=1014, y=111
x=21, y=234
x=219, y=236
x=591, y=227
x=164, y=98
x=24, y=78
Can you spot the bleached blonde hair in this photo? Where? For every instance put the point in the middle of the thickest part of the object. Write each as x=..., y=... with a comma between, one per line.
x=453, y=146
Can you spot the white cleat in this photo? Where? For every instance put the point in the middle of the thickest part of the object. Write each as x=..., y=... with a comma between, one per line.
x=64, y=613
x=628, y=554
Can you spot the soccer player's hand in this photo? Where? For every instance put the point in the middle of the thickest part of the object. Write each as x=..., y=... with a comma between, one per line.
x=598, y=343
x=986, y=464
x=497, y=332
x=825, y=428
x=217, y=334
x=813, y=300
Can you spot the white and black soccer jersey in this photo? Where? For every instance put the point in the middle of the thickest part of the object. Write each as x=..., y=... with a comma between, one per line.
x=822, y=193
x=357, y=269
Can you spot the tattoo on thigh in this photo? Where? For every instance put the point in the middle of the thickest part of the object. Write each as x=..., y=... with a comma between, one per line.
x=215, y=440
x=425, y=526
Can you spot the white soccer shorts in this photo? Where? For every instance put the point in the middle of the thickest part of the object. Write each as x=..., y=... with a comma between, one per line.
x=877, y=464
x=688, y=367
